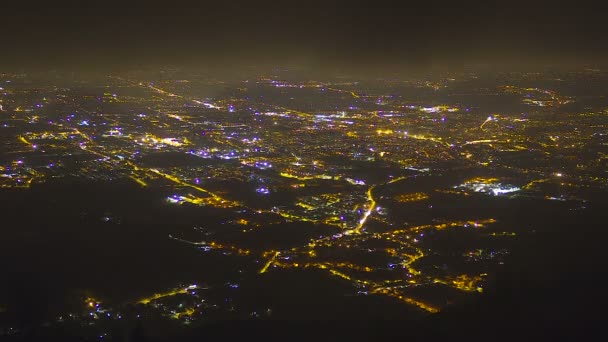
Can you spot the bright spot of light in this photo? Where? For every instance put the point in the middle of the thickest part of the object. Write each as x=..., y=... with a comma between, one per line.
x=262, y=190
x=499, y=191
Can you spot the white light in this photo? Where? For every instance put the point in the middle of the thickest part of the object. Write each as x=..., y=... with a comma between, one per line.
x=263, y=191
x=172, y=200
x=499, y=191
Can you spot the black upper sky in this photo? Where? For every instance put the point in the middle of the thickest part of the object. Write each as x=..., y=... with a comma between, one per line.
x=111, y=33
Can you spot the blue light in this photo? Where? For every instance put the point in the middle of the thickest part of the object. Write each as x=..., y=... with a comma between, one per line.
x=263, y=191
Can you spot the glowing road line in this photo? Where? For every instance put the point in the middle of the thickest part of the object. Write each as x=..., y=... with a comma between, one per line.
x=166, y=176
x=340, y=274
x=419, y=304
x=532, y=183
x=139, y=181
x=162, y=295
x=485, y=122
x=289, y=175
x=25, y=141
x=206, y=104
x=352, y=93
x=164, y=92
x=398, y=179
x=182, y=183
x=481, y=141
x=265, y=268
x=370, y=209
x=394, y=293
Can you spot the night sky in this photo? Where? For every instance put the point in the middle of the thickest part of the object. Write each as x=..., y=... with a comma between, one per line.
x=416, y=33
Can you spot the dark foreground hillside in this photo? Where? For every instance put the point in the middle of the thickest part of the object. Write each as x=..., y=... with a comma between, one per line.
x=551, y=285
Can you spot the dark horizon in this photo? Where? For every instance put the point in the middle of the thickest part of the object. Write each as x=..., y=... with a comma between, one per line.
x=337, y=35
